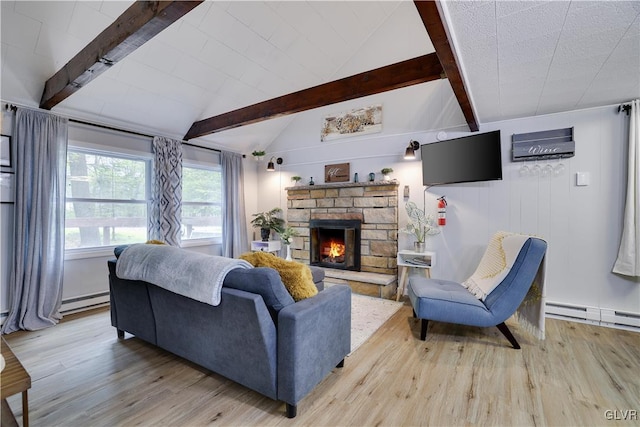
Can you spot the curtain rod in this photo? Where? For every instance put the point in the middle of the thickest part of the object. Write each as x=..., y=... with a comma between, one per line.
x=624, y=107
x=132, y=132
x=13, y=107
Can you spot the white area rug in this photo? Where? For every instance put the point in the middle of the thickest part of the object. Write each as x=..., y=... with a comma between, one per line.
x=367, y=315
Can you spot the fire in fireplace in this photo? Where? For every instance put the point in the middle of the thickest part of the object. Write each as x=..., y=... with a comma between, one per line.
x=335, y=243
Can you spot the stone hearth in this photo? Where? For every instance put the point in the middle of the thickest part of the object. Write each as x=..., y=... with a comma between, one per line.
x=373, y=203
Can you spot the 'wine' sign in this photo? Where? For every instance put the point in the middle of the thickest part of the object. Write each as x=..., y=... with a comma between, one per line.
x=548, y=144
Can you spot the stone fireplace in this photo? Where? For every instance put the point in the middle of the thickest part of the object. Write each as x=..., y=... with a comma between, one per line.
x=373, y=204
x=335, y=243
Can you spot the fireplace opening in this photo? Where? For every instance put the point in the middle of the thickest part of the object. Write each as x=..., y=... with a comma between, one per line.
x=335, y=243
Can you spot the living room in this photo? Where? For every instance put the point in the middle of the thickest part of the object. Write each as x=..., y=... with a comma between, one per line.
x=582, y=223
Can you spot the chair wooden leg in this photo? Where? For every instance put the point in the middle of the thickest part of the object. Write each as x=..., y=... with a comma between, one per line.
x=423, y=329
x=507, y=333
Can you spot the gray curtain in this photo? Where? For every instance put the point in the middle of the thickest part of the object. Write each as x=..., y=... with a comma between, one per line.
x=166, y=199
x=35, y=293
x=234, y=221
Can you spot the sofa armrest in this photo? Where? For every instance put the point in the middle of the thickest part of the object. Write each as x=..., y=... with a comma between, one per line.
x=314, y=336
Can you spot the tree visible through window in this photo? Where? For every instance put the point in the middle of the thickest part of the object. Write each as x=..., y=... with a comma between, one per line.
x=106, y=199
x=201, y=203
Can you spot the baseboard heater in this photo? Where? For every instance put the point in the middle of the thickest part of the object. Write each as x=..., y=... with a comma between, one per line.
x=620, y=318
x=74, y=305
x=594, y=315
x=573, y=312
x=85, y=302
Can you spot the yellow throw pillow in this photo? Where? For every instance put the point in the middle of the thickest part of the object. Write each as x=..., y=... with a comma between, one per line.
x=155, y=242
x=295, y=276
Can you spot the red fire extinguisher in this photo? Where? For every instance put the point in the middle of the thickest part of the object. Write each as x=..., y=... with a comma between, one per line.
x=442, y=211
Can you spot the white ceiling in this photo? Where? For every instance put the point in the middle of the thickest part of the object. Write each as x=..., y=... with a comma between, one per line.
x=518, y=58
x=536, y=57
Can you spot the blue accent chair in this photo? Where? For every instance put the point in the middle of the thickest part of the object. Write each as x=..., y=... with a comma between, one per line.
x=448, y=301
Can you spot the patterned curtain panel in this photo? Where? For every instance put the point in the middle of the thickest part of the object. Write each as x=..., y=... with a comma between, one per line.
x=234, y=221
x=166, y=199
x=35, y=293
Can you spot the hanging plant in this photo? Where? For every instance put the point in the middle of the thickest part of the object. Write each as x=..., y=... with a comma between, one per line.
x=258, y=154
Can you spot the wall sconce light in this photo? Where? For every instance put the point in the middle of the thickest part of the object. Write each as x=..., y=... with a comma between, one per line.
x=270, y=166
x=410, y=152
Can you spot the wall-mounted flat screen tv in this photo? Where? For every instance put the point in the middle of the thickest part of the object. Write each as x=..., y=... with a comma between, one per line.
x=470, y=158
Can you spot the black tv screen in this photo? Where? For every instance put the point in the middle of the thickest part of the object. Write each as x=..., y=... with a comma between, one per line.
x=467, y=159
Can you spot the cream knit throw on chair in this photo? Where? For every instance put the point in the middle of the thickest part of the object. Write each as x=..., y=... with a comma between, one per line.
x=502, y=251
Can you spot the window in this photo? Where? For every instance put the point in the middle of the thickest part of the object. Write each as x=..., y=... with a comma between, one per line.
x=201, y=202
x=107, y=199
x=108, y=196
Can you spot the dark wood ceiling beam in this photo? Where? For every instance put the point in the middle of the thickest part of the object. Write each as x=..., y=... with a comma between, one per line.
x=406, y=73
x=434, y=25
x=137, y=25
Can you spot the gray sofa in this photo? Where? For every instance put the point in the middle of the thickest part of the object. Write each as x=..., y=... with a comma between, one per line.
x=257, y=336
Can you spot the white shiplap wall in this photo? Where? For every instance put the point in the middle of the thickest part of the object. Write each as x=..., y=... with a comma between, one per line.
x=581, y=223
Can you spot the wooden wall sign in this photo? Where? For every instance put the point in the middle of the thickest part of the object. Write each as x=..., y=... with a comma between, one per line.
x=548, y=144
x=336, y=173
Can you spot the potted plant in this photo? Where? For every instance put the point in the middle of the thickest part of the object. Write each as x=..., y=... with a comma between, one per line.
x=267, y=221
x=258, y=154
x=420, y=225
x=295, y=179
x=385, y=173
x=286, y=235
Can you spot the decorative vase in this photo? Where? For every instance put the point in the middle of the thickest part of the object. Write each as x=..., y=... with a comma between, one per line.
x=288, y=246
x=372, y=177
x=419, y=246
x=265, y=233
x=386, y=177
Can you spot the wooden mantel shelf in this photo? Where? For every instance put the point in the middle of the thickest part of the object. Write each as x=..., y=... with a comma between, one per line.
x=393, y=182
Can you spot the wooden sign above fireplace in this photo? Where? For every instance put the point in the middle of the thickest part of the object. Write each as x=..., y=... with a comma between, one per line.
x=336, y=173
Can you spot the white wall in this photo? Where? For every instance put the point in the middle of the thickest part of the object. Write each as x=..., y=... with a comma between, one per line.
x=581, y=224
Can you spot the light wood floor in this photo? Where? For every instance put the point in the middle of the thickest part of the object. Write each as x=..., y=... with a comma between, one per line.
x=82, y=375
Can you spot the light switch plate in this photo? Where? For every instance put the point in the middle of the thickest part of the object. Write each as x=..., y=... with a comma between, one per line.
x=583, y=179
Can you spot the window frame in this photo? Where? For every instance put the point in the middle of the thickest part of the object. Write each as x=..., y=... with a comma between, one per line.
x=147, y=156
x=202, y=241
x=91, y=149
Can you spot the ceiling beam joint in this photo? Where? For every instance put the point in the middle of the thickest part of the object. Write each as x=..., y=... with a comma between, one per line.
x=433, y=23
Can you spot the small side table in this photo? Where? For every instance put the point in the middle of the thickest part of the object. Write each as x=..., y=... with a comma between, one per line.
x=268, y=246
x=15, y=379
x=408, y=259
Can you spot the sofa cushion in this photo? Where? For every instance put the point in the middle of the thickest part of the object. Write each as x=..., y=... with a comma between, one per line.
x=265, y=282
x=119, y=249
x=317, y=274
x=296, y=277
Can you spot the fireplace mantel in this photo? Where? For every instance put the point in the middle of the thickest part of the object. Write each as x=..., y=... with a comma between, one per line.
x=374, y=203
x=343, y=185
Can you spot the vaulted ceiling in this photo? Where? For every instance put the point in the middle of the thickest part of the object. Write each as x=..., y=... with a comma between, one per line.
x=517, y=59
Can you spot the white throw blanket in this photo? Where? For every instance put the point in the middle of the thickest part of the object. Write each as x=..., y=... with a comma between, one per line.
x=495, y=265
x=191, y=274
